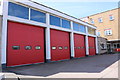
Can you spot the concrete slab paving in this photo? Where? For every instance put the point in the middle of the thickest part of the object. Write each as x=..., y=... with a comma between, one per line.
x=1, y=76
x=10, y=76
x=111, y=71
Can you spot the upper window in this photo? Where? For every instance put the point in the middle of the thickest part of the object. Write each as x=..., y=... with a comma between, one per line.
x=111, y=17
x=59, y=22
x=55, y=20
x=100, y=20
x=65, y=23
x=76, y=26
x=38, y=16
x=18, y=11
x=91, y=31
x=108, y=32
x=82, y=28
x=91, y=21
x=98, y=33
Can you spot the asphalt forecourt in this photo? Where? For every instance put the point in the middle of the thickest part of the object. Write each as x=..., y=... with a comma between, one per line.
x=99, y=67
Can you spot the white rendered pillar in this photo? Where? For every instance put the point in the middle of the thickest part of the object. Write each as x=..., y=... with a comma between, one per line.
x=47, y=35
x=86, y=42
x=4, y=5
x=96, y=42
x=72, y=41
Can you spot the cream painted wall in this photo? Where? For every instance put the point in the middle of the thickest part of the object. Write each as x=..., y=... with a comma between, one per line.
x=106, y=24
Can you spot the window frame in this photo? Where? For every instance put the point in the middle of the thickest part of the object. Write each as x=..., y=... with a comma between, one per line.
x=67, y=24
x=28, y=47
x=37, y=47
x=16, y=47
x=100, y=20
x=99, y=33
x=12, y=5
x=76, y=26
x=54, y=47
x=81, y=28
x=43, y=13
x=59, y=25
x=91, y=31
x=111, y=17
x=92, y=21
x=108, y=32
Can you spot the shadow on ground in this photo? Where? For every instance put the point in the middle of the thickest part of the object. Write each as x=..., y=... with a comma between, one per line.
x=92, y=64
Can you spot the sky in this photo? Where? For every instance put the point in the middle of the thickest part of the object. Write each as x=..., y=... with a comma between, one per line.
x=80, y=8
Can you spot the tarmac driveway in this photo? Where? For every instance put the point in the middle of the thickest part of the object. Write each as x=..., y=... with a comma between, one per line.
x=92, y=64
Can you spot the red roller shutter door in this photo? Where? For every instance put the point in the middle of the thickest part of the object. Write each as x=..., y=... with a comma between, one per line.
x=25, y=44
x=60, y=45
x=79, y=43
x=92, y=49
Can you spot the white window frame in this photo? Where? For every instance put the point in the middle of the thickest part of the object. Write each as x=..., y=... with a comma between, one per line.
x=98, y=33
x=100, y=20
x=92, y=21
x=111, y=17
x=108, y=32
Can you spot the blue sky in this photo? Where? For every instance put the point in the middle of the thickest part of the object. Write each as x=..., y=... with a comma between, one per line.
x=80, y=9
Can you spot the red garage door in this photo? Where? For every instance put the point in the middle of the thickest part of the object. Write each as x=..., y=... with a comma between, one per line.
x=25, y=44
x=79, y=43
x=60, y=45
x=92, y=50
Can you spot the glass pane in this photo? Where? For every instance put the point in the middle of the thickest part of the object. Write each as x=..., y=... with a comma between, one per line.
x=65, y=24
x=91, y=31
x=75, y=26
x=37, y=47
x=65, y=47
x=38, y=16
x=28, y=47
x=16, y=47
x=54, y=48
x=18, y=11
x=78, y=47
x=111, y=17
x=82, y=28
x=54, y=20
x=100, y=20
x=92, y=21
x=60, y=47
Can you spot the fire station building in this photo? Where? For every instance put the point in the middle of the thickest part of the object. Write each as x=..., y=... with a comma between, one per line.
x=33, y=33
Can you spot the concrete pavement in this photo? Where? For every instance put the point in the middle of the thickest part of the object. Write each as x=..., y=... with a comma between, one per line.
x=1, y=76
